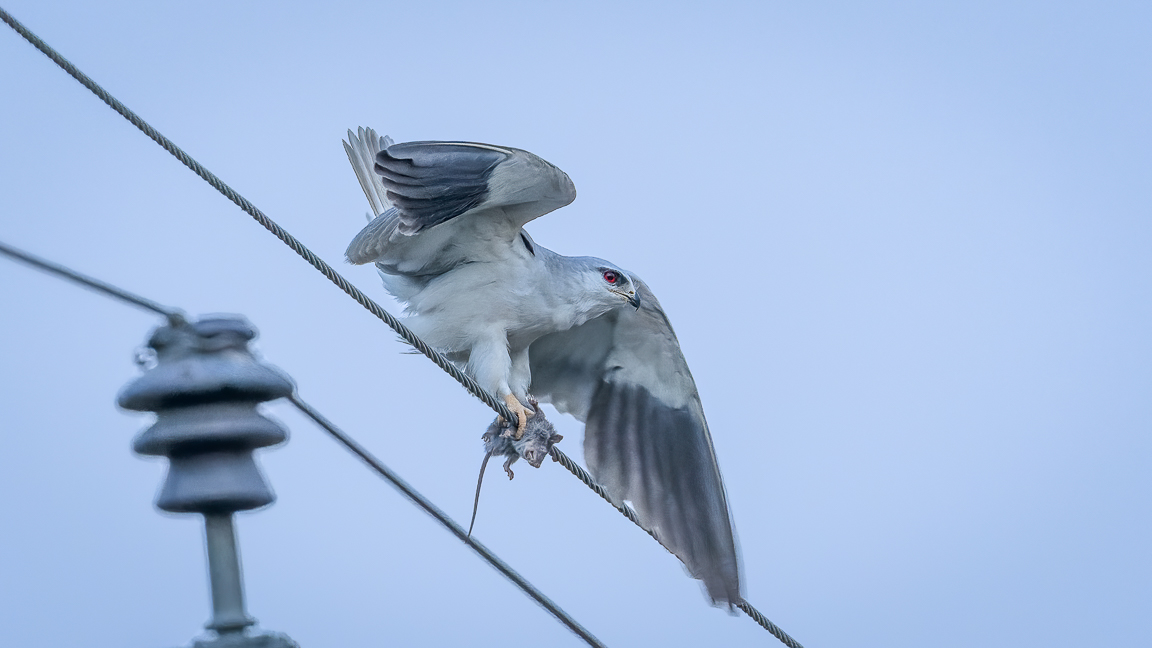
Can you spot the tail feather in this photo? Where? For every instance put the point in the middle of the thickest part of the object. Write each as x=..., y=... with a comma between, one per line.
x=362, y=148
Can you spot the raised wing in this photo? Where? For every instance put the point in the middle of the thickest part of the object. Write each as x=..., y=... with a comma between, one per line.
x=447, y=203
x=432, y=182
x=646, y=440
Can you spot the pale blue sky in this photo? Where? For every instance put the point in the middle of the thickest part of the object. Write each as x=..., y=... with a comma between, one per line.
x=906, y=248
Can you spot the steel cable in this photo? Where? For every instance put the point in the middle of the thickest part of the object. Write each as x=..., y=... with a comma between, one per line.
x=176, y=317
x=474, y=388
x=241, y=202
x=419, y=500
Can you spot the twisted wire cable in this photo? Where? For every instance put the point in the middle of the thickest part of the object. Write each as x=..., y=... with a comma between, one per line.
x=759, y=618
x=241, y=202
x=440, y=516
x=175, y=316
x=581, y=474
x=471, y=385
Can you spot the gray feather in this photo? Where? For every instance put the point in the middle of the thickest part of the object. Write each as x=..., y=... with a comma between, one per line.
x=362, y=148
x=661, y=460
x=646, y=439
x=424, y=189
x=432, y=182
x=521, y=318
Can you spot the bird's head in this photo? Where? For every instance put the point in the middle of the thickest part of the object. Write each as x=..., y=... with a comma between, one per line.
x=596, y=287
x=618, y=283
x=610, y=286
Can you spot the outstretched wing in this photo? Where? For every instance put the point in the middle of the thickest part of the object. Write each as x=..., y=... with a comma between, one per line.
x=645, y=440
x=448, y=202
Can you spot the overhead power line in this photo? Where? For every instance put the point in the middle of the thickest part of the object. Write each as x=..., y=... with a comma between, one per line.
x=259, y=216
x=176, y=318
x=396, y=325
x=442, y=517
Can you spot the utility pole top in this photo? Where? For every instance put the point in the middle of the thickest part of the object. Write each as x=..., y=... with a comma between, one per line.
x=204, y=389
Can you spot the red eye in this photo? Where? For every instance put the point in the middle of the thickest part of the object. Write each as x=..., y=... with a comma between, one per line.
x=611, y=277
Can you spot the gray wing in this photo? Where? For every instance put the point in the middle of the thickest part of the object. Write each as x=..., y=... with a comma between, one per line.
x=432, y=182
x=646, y=439
x=448, y=202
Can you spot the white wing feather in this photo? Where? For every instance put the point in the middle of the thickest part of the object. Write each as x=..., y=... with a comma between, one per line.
x=362, y=148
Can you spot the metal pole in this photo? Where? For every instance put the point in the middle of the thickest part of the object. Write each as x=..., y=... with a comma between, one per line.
x=228, y=613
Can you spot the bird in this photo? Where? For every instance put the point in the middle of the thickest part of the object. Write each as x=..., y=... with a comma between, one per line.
x=446, y=235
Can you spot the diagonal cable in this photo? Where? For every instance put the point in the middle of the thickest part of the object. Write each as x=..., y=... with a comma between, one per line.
x=176, y=318
x=419, y=500
x=280, y=233
x=581, y=474
x=471, y=385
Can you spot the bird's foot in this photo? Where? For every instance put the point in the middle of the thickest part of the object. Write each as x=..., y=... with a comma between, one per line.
x=522, y=415
x=533, y=445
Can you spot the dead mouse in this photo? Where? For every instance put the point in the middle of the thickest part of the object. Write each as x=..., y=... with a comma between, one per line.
x=538, y=439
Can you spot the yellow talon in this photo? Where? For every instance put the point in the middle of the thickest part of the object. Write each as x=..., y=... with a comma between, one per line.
x=522, y=414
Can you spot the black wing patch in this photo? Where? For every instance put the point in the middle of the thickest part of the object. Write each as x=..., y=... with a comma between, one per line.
x=432, y=182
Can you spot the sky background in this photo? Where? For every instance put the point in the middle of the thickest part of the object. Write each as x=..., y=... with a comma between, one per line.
x=907, y=249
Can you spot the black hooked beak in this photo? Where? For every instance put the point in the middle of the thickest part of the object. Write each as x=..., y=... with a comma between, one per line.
x=634, y=299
